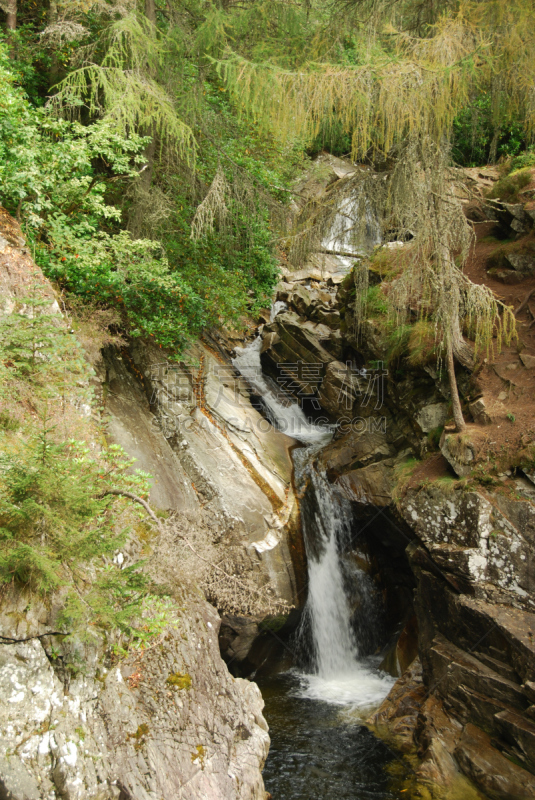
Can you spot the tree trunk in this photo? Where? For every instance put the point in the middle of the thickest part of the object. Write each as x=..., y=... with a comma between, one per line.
x=493, y=151
x=53, y=72
x=460, y=424
x=11, y=21
x=463, y=352
x=150, y=150
x=150, y=11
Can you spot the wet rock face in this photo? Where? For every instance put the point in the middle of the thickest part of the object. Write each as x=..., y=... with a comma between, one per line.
x=76, y=721
x=152, y=726
x=498, y=777
x=484, y=541
x=213, y=456
x=475, y=605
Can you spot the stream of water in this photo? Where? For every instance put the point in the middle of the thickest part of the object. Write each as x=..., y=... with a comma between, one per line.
x=319, y=746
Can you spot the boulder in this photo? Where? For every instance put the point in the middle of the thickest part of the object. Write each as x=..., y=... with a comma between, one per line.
x=459, y=451
x=338, y=389
x=488, y=412
x=527, y=360
x=353, y=451
x=336, y=280
x=327, y=317
x=520, y=733
x=511, y=374
x=432, y=416
x=437, y=736
x=508, y=276
x=297, y=343
x=144, y=727
x=512, y=218
x=452, y=667
x=309, y=273
x=283, y=291
x=494, y=774
x=397, y=716
x=521, y=262
x=403, y=651
x=301, y=299
x=370, y=485
x=237, y=635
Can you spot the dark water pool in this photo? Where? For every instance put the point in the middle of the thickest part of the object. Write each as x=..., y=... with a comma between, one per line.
x=319, y=750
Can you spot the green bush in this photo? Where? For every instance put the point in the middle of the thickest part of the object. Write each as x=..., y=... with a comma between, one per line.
x=57, y=177
x=57, y=524
x=376, y=303
x=58, y=516
x=523, y=160
x=473, y=131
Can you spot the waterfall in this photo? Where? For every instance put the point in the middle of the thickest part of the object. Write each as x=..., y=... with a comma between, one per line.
x=284, y=414
x=328, y=613
x=343, y=235
x=338, y=673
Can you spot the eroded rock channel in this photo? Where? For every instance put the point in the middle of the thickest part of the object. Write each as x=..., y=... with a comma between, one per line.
x=385, y=595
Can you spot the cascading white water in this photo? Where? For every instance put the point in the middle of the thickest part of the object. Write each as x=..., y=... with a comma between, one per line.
x=338, y=676
x=346, y=237
x=335, y=647
x=285, y=415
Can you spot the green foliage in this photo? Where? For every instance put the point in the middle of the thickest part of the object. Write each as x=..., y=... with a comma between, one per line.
x=37, y=351
x=397, y=340
x=57, y=524
x=473, y=132
x=59, y=178
x=53, y=513
x=509, y=187
x=124, y=88
x=133, y=275
x=376, y=303
x=523, y=160
x=47, y=171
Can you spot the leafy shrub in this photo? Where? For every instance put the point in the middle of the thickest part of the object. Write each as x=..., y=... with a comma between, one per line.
x=58, y=520
x=523, y=160
x=37, y=351
x=57, y=524
x=54, y=513
x=57, y=177
x=473, y=131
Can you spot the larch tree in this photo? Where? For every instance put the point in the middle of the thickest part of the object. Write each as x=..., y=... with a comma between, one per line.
x=400, y=100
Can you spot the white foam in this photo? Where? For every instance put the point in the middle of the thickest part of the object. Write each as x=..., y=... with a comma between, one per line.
x=285, y=415
x=360, y=688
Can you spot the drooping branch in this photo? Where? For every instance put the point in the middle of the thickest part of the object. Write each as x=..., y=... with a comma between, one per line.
x=212, y=208
x=524, y=302
x=136, y=499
